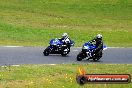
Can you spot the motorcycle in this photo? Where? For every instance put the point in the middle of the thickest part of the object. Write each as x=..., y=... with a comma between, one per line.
x=87, y=51
x=57, y=47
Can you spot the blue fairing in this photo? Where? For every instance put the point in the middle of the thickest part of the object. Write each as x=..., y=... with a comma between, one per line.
x=55, y=42
x=58, y=42
x=72, y=43
x=90, y=46
x=104, y=47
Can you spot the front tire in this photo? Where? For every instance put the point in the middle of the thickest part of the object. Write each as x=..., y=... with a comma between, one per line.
x=80, y=56
x=46, y=52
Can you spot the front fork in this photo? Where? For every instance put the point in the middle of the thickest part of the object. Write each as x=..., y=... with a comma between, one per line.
x=87, y=53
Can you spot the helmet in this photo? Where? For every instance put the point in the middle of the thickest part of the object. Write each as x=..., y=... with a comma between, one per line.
x=64, y=35
x=99, y=36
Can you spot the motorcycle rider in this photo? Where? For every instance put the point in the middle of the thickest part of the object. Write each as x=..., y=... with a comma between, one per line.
x=65, y=38
x=98, y=43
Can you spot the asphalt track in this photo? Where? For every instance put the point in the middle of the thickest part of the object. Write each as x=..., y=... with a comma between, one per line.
x=34, y=55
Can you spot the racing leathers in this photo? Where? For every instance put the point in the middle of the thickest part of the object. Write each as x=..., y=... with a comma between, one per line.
x=98, y=44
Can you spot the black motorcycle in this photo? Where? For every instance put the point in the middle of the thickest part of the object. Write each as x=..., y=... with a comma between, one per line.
x=87, y=51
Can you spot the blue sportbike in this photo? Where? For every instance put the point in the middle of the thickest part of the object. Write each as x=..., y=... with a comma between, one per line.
x=57, y=47
x=87, y=50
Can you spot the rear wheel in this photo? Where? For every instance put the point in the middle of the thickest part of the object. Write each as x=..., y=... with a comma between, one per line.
x=46, y=52
x=63, y=54
x=97, y=56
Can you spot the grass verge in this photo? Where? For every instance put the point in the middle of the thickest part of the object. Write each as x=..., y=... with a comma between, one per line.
x=35, y=22
x=59, y=76
x=10, y=35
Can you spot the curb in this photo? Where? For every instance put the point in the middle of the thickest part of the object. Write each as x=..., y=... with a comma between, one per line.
x=12, y=46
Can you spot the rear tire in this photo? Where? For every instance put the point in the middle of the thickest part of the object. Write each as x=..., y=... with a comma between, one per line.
x=63, y=54
x=46, y=52
x=98, y=56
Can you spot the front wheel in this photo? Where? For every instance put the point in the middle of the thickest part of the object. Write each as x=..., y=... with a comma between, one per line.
x=80, y=56
x=46, y=52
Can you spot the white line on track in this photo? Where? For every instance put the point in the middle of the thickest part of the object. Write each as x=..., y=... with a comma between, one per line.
x=15, y=65
x=12, y=46
x=109, y=47
x=117, y=47
x=10, y=65
x=75, y=50
x=50, y=64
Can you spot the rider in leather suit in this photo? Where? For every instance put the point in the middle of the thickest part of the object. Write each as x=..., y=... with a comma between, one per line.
x=98, y=42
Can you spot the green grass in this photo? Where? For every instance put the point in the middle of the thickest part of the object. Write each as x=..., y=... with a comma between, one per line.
x=35, y=22
x=59, y=76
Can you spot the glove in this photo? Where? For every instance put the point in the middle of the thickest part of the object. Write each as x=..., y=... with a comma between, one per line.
x=62, y=40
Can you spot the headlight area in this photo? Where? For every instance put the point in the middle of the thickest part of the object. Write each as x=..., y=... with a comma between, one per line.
x=85, y=47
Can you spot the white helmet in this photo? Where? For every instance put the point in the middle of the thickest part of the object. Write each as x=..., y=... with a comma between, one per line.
x=64, y=35
x=99, y=36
